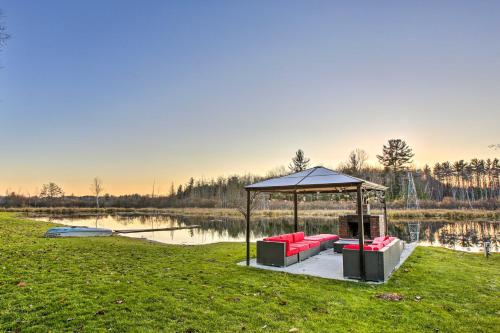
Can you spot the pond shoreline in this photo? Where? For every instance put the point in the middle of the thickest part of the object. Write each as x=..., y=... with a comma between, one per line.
x=469, y=234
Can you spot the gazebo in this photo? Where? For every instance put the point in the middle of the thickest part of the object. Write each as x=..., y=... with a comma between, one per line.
x=317, y=180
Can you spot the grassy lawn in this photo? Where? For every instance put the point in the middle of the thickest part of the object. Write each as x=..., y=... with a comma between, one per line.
x=121, y=284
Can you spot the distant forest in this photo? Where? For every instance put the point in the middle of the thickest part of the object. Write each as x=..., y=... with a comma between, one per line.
x=458, y=184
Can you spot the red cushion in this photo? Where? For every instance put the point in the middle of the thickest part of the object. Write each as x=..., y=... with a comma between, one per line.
x=279, y=239
x=298, y=236
x=373, y=248
x=379, y=239
x=299, y=246
x=315, y=238
x=287, y=237
x=292, y=251
x=329, y=236
x=366, y=247
x=312, y=243
x=272, y=239
x=322, y=238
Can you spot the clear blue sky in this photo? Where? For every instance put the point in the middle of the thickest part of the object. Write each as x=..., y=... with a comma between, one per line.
x=133, y=91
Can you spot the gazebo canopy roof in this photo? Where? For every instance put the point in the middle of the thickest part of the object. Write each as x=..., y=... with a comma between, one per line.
x=317, y=179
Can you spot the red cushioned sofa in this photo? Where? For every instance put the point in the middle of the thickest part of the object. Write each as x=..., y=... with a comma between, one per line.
x=326, y=240
x=381, y=258
x=285, y=250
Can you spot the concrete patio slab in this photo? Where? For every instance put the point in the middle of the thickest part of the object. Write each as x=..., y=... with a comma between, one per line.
x=327, y=264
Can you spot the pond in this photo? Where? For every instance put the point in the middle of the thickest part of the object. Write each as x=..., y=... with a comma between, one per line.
x=463, y=235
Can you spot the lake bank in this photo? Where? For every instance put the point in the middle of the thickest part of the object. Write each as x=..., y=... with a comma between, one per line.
x=437, y=214
x=464, y=235
x=121, y=284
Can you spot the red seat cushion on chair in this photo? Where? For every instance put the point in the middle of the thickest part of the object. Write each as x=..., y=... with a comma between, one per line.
x=298, y=236
x=329, y=236
x=279, y=239
x=366, y=247
x=292, y=251
x=299, y=246
x=287, y=237
x=322, y=238
x=387, y=241
x=272, y=239
x=316, y=238
x=311, y=243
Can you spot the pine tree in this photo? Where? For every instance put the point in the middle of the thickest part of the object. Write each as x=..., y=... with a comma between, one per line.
x=396, y=155
x=172, y=190
x=299, y=162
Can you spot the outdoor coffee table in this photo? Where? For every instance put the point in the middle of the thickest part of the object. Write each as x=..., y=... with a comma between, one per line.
x=339, y=245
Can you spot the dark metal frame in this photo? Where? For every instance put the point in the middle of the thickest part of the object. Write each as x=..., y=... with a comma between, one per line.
x=358, y=188
x=274, y=254
x=379, y=264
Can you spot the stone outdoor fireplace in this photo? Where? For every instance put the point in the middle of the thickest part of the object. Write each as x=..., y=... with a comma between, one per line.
x=374, y=225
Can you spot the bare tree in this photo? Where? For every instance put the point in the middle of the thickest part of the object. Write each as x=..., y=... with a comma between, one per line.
x=51, y=191
x=241, y=202
x=494, y=146
x=96, y=188
x=277, y=172
x=356, y=161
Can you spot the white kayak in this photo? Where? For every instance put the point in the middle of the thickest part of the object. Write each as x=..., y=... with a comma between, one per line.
x=77, y=232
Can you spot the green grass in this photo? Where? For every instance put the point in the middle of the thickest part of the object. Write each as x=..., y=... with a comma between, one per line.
x=120, y=284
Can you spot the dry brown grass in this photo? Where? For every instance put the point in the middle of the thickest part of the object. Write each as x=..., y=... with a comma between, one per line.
x=447, y=214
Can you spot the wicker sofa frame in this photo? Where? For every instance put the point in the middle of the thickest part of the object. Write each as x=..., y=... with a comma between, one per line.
x=379, y=265
x=273, y=253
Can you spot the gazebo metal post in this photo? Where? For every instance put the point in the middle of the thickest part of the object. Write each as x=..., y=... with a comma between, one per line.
x=385, y=216
x=295, y=215
x=248, y=228
x=361, y=232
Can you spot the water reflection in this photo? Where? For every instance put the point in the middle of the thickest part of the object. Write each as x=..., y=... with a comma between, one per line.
x=465, y=236
x=468, y=236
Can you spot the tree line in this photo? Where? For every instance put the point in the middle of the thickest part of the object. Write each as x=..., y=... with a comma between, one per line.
x=458, y=184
